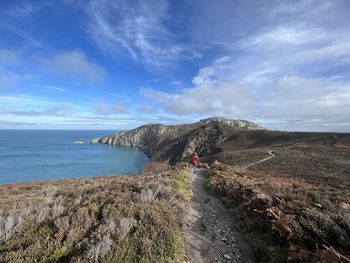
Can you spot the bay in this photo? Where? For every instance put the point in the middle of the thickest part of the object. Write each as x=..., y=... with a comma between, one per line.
x=27, y=155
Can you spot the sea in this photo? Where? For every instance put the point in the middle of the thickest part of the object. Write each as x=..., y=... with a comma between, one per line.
x=30, y=155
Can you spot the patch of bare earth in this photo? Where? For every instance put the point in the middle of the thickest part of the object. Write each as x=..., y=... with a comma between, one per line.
x=208, y=229
x=342, y=143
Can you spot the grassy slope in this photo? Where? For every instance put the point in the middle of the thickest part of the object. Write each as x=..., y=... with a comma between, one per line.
x=104, y=219
x=294, y=206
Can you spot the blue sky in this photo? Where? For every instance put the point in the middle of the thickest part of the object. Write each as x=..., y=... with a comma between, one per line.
x=99, y=64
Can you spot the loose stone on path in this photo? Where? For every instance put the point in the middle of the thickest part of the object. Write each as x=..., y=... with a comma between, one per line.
x=208, y=229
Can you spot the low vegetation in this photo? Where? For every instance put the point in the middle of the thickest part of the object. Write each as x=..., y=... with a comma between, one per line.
x=102, y=219
x=294, y=207
x=288, y=192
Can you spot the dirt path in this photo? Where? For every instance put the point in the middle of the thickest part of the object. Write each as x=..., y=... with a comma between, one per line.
x=208, y=229
x=272, y=155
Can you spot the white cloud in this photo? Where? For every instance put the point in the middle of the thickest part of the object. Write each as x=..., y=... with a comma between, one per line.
x=104, y=108
x=30, y=40
x=176, y=83
x=120, y=96
x=137, y=28
x=296, y=7
x=23, y=100
x=288, y=35
x=121, y=108
x=294, y=102
x=62, y=109
x=148, y=109
x=75, y=64
x=212, y=93
x=56, y=88
x=156, y=95
x=305, y=103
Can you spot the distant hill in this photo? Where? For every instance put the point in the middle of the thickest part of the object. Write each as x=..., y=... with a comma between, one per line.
x=176, y=143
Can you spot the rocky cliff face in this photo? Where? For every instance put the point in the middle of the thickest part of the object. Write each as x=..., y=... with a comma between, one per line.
x=234, y=123
x=178, y=142
x=143, y=137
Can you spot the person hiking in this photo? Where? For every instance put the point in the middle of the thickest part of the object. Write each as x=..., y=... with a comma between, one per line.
x=195, y=162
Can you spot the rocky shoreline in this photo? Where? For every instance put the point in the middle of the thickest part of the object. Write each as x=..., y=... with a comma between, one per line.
x=175, y=143
x=287, y=194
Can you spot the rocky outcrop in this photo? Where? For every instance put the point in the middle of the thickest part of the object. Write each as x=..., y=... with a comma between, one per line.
x=234, y=123
x=143, y=137
x=176, y=143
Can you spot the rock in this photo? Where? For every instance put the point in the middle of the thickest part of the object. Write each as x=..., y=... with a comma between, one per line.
x=226, y=256
x=78, y=142
x=94, y=141
x=205, y=166
x=175, y=143
x=216, y=162
x=237, y=123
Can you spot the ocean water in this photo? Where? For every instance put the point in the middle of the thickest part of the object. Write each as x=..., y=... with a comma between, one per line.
x=27, y=155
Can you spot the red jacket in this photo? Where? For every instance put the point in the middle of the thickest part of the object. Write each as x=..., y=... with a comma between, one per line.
x=195, y=160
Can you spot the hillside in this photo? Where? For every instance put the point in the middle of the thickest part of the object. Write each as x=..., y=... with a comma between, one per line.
x=127, y=218
x=290, y=190
x=286, y=193
x=176, y=143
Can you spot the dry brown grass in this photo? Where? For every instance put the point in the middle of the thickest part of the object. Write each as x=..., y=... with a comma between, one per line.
x=156, y=167
x=134, y=218
x=300, y=197
x=310, y=219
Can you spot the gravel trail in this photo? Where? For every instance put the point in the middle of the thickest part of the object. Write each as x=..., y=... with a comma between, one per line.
x=208, y=229
x=272, y=155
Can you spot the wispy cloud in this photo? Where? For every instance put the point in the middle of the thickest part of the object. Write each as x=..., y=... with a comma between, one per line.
x=147, y=109
x=104, y=108
x=75, y=64
x=24, y=100
x=27, y=37
x=299, y=8
x=287, y=35
x=120, y=97
x=137, y=28
x=56, y=88
x=59, y=110
x=22, y=10
x=281, y=63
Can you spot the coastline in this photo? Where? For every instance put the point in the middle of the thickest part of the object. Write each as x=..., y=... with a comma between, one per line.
x=41, y=155
x=283, y=208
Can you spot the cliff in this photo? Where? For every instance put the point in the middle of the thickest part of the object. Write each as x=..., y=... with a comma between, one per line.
x=234, y=123
x=176, y=143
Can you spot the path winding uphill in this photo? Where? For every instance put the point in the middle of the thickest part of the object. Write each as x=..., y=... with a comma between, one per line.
x=272, y=155
x=208, y=229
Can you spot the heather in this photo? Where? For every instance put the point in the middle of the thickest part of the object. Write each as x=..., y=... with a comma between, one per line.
x=131, y=218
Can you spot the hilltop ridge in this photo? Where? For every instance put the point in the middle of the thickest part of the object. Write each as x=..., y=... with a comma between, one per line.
x=236, y=123
x=176, y=143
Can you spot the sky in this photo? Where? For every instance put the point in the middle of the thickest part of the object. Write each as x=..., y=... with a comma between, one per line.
x=99, y=64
